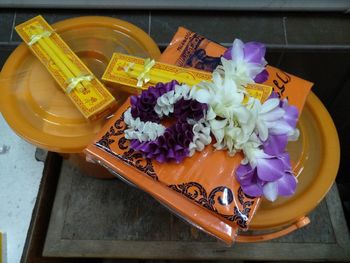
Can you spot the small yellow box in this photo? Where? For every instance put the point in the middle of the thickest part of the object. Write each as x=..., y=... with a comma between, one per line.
x=115, y=74
x=87, y=93
x=123, y=70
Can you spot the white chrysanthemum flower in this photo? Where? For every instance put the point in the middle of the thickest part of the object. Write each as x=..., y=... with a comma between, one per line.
x=182, y=91
x=165, y=103
x=201, y=135
x=142, y=131
x=230, y=120
x=221, y=94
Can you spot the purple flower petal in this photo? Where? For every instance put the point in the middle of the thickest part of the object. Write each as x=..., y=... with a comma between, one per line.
x=255, y=189
x=291, y=115
x=142, y=106
x=273, y=95
x=171, y=154
x=192, y=109
x=270, y=169
x=161, y=158
x=254, y=52
x=172, y=145
x=244, y=174
x=287, y=185
x=284, y=157
x=275, y=144
x=228, y=54
x=133, y=99
x=134, y=143
x=145, y=147
x=262, y=76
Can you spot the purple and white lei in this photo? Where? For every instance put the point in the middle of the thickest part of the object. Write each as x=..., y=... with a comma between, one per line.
x=189, y=133
x=224, y=109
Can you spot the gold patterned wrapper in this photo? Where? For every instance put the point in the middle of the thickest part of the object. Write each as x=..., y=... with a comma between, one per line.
x=86, y=92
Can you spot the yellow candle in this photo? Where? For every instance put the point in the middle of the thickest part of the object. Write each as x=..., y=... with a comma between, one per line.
x=63, y=57
x=158, y=76
x=63, y=68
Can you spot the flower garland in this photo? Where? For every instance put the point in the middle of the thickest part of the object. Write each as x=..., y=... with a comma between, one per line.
x=189, y=133
x=259, y=130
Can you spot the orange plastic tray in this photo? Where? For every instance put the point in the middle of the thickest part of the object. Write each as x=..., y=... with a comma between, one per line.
x=34, y=105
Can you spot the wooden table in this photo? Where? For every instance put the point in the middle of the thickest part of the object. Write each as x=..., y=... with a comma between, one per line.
x=110, y=219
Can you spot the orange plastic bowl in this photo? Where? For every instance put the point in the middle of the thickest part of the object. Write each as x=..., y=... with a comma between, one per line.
x=35, y=106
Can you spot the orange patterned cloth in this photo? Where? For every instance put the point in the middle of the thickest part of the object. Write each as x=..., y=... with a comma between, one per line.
x=202, y=189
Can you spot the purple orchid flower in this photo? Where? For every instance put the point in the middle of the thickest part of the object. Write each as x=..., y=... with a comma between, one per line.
x=272, y=175
x=287, y=124
x=253, y=53
x=292, y=113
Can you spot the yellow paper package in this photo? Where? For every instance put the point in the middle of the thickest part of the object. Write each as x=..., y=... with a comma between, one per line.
x=133, y=74
x=86, y=92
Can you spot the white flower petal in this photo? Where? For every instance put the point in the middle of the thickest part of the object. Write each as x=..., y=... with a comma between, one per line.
x=203, y=96
x=218, y=124
x=263, y=131
x=279, y=127
x=217, y=79
x=199, y=145
x=206, y=139
x=273, y=115
x=237, y=50
x=270, y=191
x=219, y=135
x=210, y=114
x=201, y=136
x=243, y=115
x=270, y=104
x=142, y=131
x=293, y=135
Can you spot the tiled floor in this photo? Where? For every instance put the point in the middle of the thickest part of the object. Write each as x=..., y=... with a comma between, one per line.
x=274, y=28
x=20, y=176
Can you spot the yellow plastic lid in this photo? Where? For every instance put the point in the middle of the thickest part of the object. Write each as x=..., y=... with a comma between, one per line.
x=35, y=106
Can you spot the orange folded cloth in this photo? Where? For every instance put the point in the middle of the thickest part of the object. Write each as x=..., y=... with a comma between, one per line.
x=202, y=189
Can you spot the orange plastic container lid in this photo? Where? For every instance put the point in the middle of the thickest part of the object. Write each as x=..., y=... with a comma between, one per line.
x=316, y=158
x=34, y=105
